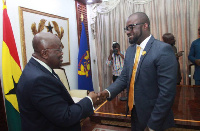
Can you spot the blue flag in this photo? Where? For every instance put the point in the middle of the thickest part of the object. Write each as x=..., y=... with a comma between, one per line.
x=84, y=68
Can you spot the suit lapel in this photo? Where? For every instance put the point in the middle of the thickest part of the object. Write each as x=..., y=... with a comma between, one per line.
x=147, y=49
x=34, y=62
x=132, y=60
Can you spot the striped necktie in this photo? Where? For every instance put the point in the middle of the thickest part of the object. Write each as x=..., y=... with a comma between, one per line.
x=131, y=88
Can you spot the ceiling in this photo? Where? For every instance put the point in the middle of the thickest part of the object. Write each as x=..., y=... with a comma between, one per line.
x=85, y=1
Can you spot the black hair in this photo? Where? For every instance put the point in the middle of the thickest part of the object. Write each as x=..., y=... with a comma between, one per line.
x=115, y=45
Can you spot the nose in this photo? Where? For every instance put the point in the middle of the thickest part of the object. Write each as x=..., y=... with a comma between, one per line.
x=128, y=33
x=61, y=52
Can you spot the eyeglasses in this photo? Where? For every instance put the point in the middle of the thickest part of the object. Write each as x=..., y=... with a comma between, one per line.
x=60, y=50
x=130, y=27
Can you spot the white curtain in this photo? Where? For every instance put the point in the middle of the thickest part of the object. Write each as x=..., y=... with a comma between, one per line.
x=179, y=17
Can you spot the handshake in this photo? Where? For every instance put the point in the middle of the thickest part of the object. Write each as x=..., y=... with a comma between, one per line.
x=98, y=98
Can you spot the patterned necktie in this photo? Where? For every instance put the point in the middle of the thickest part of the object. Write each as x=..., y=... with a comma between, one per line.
x=131, y=88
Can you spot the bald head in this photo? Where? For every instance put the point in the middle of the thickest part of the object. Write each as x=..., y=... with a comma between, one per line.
x=137, y=28
x=43, y=40
x=169, y=38
x=142, y=18
x=47, y=48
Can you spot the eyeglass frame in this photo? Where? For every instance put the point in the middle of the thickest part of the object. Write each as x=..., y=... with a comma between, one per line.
x=132, y=26
x=60, y=50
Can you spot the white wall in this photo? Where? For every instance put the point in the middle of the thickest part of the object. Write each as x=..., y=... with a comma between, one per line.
x=63, y=8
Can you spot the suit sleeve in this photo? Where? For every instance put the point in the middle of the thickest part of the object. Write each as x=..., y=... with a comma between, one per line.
x=120, y=84
x=166, y=65
x=191, y=55
x=47, y=97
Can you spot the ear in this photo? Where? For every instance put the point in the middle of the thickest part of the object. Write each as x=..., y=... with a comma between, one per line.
x=44, y=54
x=146, y=26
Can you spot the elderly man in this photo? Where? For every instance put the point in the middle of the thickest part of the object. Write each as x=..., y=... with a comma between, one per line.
x=44, y=102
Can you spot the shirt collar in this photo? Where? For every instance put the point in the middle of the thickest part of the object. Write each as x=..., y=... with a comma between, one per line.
x=144, y=42
x=43, y=64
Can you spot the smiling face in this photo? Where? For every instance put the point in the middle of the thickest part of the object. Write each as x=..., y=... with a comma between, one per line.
x=140, y=31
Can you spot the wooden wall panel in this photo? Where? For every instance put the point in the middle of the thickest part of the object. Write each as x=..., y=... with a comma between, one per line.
x=81, y=9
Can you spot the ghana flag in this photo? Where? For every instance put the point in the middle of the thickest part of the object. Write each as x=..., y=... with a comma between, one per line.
x=11, y=71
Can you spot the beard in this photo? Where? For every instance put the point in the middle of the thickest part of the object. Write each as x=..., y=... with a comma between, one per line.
x=135, y=39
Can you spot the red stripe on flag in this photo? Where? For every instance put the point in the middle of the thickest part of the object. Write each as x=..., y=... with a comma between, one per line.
x=8, y=37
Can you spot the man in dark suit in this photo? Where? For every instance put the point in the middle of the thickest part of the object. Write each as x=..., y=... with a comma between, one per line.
x=44, y=102
x=170, y=39
x=150, y=74
x=194, y=57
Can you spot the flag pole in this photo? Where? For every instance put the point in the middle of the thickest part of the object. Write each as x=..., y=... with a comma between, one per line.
x=82, y=17
x=4, y=2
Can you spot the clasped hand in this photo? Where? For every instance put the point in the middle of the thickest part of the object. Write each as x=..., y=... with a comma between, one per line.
x=197, y=62
x=98, y=98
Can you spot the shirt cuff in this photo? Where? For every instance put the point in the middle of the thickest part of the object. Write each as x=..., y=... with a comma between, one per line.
x=91, y=102
x=150, y=129
x=108, y=93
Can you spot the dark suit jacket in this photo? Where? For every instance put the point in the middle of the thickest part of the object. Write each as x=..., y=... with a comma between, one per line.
x=45, y=104
x=179, y=77
x=155, y=84
x=193, y=55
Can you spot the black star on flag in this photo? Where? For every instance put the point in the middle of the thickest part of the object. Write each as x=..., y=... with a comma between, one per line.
x=13, y=91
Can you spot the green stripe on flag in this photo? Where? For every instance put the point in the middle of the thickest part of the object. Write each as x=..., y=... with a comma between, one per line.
x=13, y=117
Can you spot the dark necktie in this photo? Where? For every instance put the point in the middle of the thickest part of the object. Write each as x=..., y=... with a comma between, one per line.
x=55, y=75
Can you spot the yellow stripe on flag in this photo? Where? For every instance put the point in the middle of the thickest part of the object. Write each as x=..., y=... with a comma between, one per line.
x=10, y=71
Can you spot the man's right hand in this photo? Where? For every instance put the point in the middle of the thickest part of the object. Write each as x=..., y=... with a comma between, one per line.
x=94, y=96
x=180, y=53
x=197, y=62
x=110, y=56
x=103, y=95
x=98, y=98
x=111, y=52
